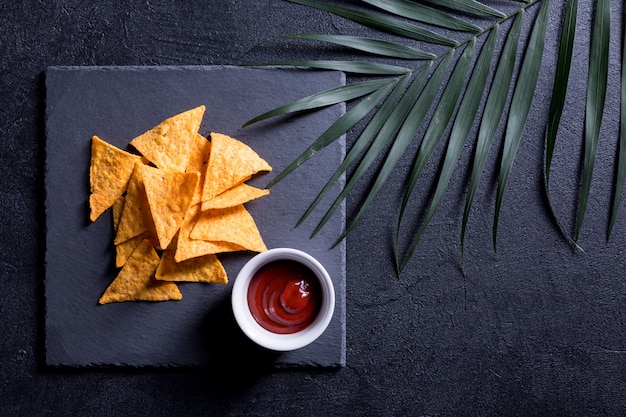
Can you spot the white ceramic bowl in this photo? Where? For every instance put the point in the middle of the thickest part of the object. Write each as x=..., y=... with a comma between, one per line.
x=266, y=338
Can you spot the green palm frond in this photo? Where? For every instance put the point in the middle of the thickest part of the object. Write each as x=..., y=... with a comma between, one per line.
x=494, y=108
x=373, y=46
x=596, y=95
x=520, y=105
x=424, y=14
x=472, y=7
x=439, y=92
x=621, y=156
x=557, y=103
x=434, y=133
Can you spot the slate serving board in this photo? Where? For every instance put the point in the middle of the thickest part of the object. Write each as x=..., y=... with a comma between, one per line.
x=119, y=103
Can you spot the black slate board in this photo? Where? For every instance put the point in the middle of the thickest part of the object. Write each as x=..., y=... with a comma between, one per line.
x=118, y=103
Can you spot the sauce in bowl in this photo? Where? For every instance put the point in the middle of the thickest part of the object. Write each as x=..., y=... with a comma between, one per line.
x=284, y=296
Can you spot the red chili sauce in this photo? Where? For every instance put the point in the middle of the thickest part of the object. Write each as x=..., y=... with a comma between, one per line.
x=284, y=296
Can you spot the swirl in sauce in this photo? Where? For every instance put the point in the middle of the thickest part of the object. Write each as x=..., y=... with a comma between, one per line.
x=284, y=297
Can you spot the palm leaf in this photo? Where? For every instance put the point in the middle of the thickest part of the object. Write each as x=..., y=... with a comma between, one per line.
x=621, y=157
x=353, y=67
x=424, y=14
x=494, y=108
x=520, y=105
x=468, y=6
x=382, y=23
x=438, y=123
x=394, y=124
x=404, y=136
x=462, y=125
x=338, y=128
x=323, y=99
x=596, y=95
x=370, y=45
x=559, y=92
x=364, y=139
x=386, y=128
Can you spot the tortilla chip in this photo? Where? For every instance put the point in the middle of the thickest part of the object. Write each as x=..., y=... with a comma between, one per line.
x=117, y=208
x=109, y=174
x=167, y=145
x=231, y=162
x=198, y=160
x=136, y=218
x=235, y=196
x=233, y=224
x=203, y=269
x=199, y=152
x=136, y=281
x=169, y=194
x=187, y=248
x=124, y=250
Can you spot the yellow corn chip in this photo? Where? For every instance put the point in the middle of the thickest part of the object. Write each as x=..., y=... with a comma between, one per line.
x=117, y=208
x=187, y=248
x=203, y=269
x=232, y=224
x=136, y=281
x=169, y=194
x=235, y=196
x=109, y=174
x=167, y=145
x=199, y=152
x=231, y=162
x=136, y=218
x=198, y=160
x=126, y=248
x=184, y=195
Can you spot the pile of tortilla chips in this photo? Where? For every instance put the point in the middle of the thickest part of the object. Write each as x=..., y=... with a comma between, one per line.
x=175, y=206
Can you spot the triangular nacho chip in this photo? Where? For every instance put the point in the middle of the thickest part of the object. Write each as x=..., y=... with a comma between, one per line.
x=233, y=224
x=109, y=174
x=187, y=248
x=124, y=250
x=136, y=281
x=136, y=218
x=199, y=152
x=231, y=162
x=198, y=160
x=169, y=194
x=167, y=145
x=203, y=269
x=235, y=196
x=117, y=208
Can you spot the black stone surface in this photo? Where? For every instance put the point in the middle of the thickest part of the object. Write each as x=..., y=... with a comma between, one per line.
x=535, y=329
x=119, y=103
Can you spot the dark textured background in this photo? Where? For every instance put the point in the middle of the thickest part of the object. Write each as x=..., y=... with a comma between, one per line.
x=533, y=330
